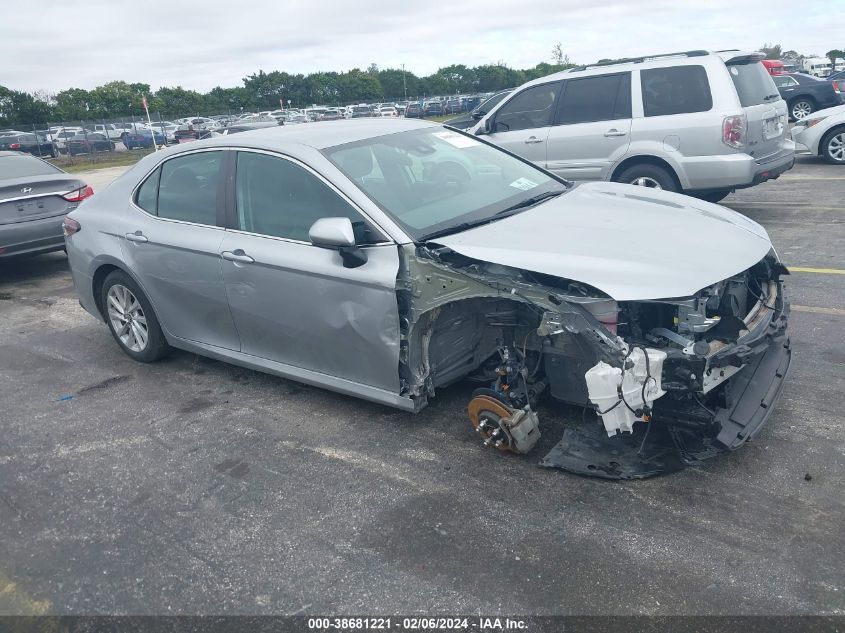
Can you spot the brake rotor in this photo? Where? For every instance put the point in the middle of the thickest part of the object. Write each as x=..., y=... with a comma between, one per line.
x=485, y=414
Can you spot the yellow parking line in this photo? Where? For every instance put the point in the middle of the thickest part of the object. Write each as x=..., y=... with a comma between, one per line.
x=821, y=271
x=819, y=310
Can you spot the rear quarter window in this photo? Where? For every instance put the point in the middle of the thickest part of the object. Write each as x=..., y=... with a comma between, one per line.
x=675, y=90
x=754, y=85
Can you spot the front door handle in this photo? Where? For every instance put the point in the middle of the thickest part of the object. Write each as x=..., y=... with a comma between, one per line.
x=137, y=236
x=614, y=132
x=531, y=140
x=237, y=256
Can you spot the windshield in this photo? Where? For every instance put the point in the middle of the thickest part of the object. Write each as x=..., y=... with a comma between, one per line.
x=432, y=180
x=753, y=84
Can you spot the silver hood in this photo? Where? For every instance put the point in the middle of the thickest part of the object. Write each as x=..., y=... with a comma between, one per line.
x=629, y=242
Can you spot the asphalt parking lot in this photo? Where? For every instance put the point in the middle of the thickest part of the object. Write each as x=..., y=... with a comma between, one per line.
x=192, y=486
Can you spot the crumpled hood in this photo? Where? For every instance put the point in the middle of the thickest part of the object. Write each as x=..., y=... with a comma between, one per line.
x=629, y=242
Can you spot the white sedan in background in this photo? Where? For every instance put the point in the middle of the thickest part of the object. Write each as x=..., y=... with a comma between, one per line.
x=822, y=134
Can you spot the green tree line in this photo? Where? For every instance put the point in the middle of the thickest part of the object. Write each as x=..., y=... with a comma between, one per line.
x=261, y=91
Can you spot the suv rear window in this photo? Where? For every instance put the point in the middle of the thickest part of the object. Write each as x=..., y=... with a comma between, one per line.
x=753, y=83
x=675, y=90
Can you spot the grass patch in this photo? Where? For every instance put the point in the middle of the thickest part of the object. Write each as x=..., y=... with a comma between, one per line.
x=98, y=161
x=441, y=118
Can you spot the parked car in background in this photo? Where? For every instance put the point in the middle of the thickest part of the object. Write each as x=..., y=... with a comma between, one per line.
x=837, y=80
x=433, y=108
x=805, y=94
x=452, y=106
x=414, y=110
x=387, y=111
x=450, y=259
x=360, y=111
x=702, y=123
x=774, y=66
x=114, y=132
x=817, y=66
x=29, y=143
x=59, y=138
x=144, y=138
x=89, y=143
x=822, y=134
x=296, y=119
x=471, y=118
x=35, y=196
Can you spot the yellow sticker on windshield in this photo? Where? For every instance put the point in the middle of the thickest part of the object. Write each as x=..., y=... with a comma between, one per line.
x=456, y=140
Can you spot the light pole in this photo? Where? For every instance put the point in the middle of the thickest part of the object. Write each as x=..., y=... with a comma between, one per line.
x=404, y=86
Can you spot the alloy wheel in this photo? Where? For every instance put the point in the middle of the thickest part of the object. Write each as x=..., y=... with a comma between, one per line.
x=836, y=147
x=801, y=109
x=646, y=181
x=127, y=318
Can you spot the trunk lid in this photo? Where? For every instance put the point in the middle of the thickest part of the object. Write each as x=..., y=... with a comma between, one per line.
x=35, y=197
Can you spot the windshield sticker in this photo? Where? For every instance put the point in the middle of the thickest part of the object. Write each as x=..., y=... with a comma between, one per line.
x=523, y=183
x=457, y=140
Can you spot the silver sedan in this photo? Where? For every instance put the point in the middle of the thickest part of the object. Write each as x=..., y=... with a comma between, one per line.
x=386, y=259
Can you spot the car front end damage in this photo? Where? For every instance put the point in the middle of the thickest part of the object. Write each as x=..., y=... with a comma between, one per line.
x=659, y=384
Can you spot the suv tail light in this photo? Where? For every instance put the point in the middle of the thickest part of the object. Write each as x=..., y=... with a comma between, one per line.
x=733, y=131
x=80, y=194
x=70, y=226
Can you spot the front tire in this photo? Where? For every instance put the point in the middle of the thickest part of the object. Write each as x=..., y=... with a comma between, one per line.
x=131, y=319
x=648, y=176
x=833, y=147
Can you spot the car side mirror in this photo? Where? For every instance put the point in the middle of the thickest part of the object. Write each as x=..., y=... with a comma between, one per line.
x=338, y=234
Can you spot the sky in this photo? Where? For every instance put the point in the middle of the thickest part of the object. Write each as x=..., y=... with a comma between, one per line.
x=52, y=45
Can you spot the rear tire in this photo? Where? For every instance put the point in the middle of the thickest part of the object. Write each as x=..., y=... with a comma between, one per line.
x=832, y=147
x=648, y=176
x=801, y=108
x=131, y=319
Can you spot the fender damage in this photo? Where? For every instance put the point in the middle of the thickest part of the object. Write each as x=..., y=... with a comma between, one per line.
x=663, y=383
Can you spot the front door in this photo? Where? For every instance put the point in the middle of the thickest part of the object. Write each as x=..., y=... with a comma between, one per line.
x=523, y=122
x=295, y=303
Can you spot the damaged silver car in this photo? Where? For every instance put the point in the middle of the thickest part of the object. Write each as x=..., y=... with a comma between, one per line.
x=389, y=259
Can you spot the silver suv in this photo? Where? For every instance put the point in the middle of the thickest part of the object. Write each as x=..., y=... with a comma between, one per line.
x=701, y=123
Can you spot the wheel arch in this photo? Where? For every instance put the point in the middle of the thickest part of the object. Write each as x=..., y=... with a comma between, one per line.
x=646, y=159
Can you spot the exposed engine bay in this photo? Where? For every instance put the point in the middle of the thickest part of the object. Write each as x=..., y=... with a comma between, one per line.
x=661, y=384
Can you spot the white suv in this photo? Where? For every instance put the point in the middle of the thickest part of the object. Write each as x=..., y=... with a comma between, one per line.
x=696, y=122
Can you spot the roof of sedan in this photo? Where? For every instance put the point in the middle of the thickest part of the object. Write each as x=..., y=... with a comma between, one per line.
x=323, y=134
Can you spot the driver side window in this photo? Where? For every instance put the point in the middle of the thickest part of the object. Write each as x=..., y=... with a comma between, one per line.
x=531, y=108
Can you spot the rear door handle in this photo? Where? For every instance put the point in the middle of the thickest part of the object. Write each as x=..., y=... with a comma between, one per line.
x=614, y=132
x=237, y=256
x=137, y=236
x=531, y=140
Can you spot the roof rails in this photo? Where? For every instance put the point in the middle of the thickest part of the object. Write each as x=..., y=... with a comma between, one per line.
x=639, y=60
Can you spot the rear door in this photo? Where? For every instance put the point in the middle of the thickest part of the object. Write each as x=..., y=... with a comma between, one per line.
x=521, y=125
x=592, y=127
x=764, y=108
x=172, y=243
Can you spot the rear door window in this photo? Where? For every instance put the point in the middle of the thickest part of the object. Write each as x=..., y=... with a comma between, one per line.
x=675, y=90
x=753, y=84
x=531, y=108
x=188, y=188
x=602, y=98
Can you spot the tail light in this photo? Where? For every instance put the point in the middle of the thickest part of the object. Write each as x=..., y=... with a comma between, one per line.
x=80, y=194
x=733, y=131
x=15, y=146
x=70, y=226
x=835, y=85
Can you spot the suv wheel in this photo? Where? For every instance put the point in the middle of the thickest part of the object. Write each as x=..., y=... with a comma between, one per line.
x=833, y=147
x=131, y=319
x=650, y=176
x=801, y=108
